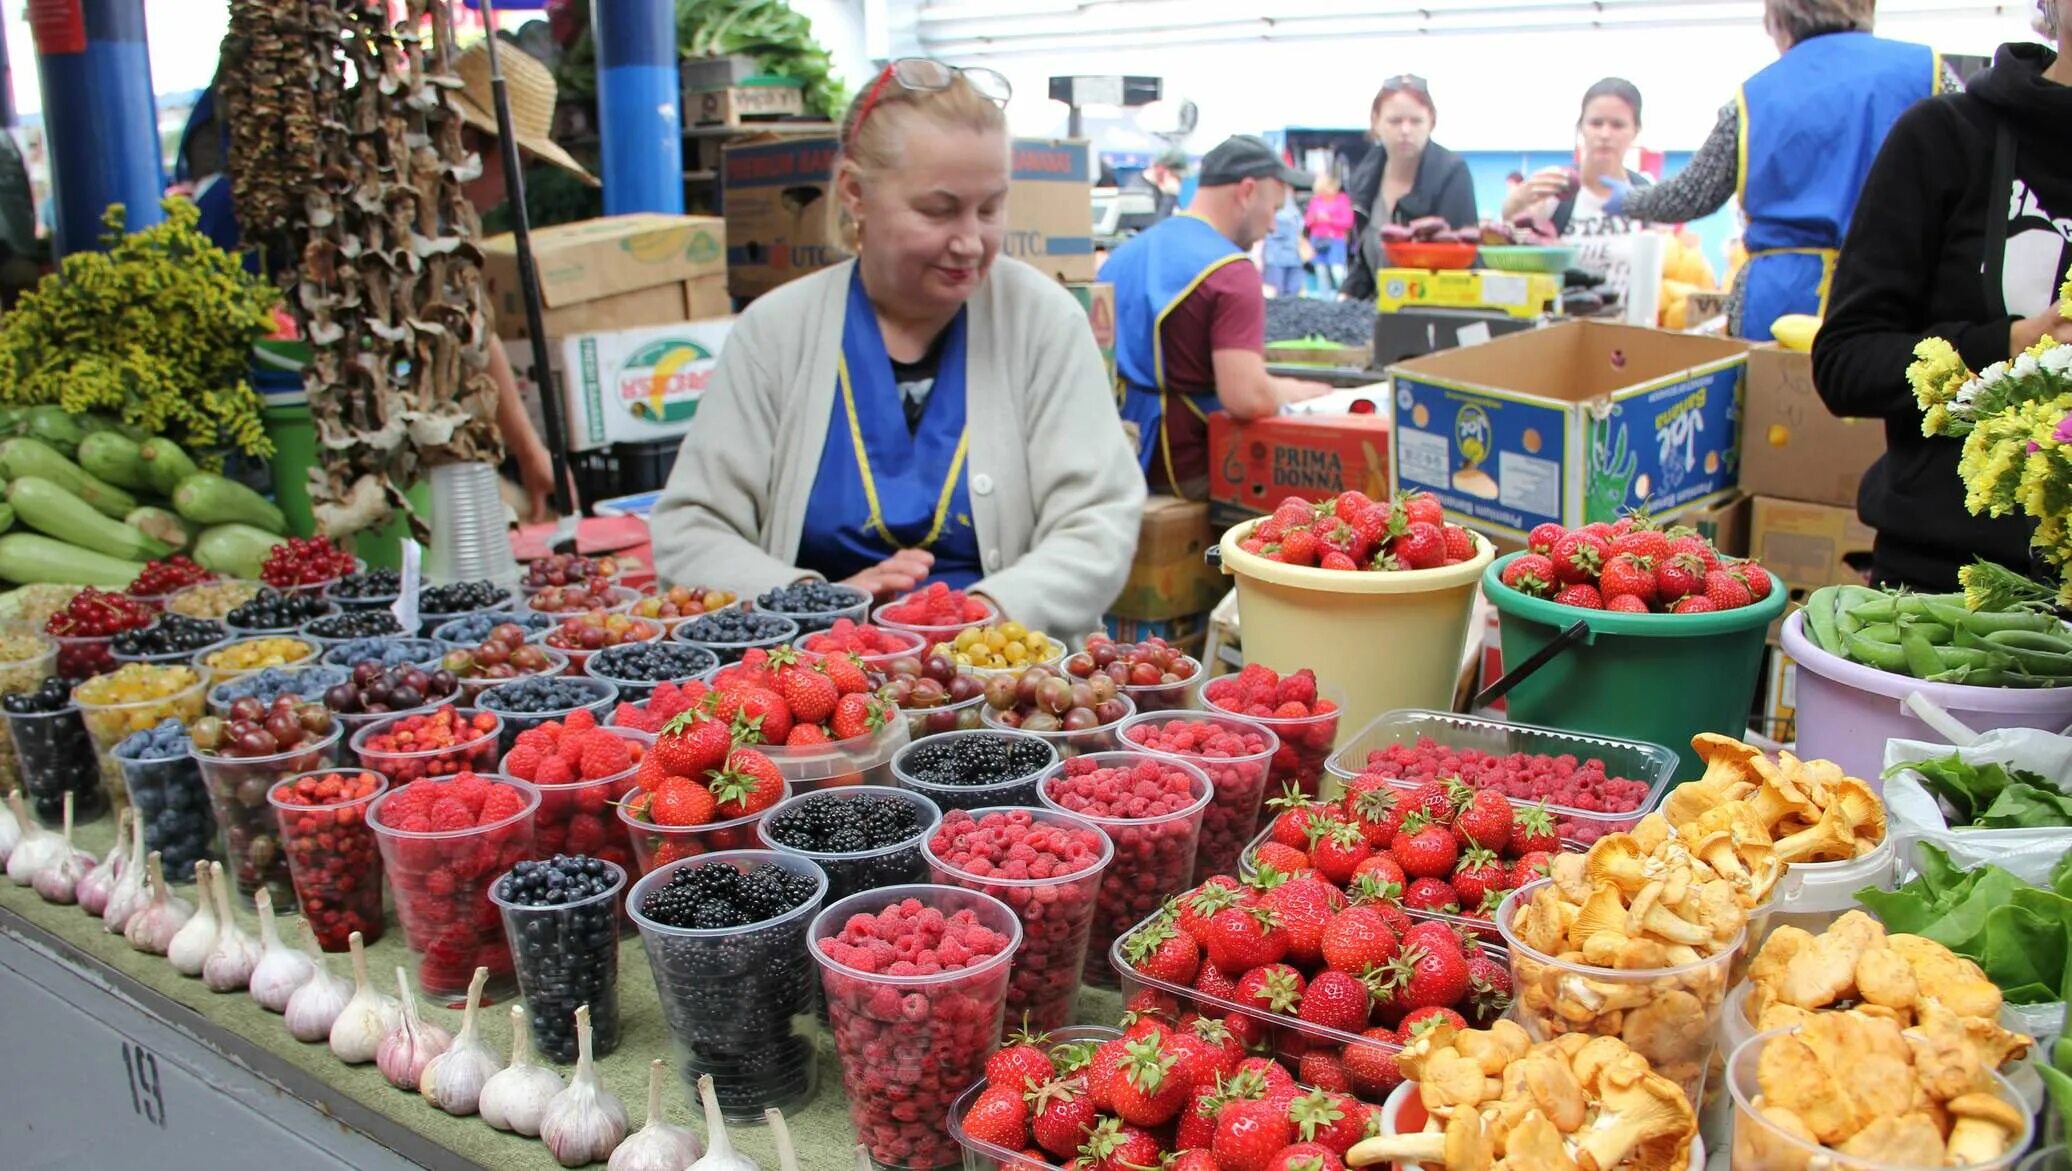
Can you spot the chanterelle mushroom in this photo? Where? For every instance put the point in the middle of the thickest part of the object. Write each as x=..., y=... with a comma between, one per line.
x=1908, y=1140
x=1791, y=1075
x=1535, y=1144
x=1985, y=1126
x=1462, y=1146
x=1617, y=860
x=1650, y=1110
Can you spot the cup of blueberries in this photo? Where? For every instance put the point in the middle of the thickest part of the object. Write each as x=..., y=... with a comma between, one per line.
x=468, y=631
x=730, y=634
x=532, y=701
x=439, y=604
x=815, y=605
x=636, y=668
x=171, y=802
x=561, y=917
x=385, y=652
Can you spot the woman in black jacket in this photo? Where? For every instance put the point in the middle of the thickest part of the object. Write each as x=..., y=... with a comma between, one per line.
x=1964, y=232
x=1404, y=177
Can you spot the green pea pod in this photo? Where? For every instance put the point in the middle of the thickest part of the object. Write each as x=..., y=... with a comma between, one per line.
x=1856, y=595
x=2050, y=644
x=1870, y=613
x=1820, y=619
x=1982, y=622
x=1936, y=633
x=1986, y=677
x=1953, y=657
x=1871, y=653
x=2032, y=662
x=1920, y=655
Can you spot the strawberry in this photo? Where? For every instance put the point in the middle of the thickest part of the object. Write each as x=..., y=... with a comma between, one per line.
x=1000, y=1117
x=1431, y=974
x=1196, y=1128
x=1695, y=604
x=1291, y=826
x=1418, y=1022
x=1061, y=1115
x=1249, y=1135
x=1294, y=510
x=805, y=736
x=810, y=694
x=1727, y=591
x=1641, y=541
x=1164, y=952
x=1425, y=849
x=1532, y=831
x=1299, y=547
x=1211, y=980
x=1530, y=573
x=1581, y=596
x=1626, y=575
x=857, y=715
x=685, y=802
x=1530, y=868
x=1335, y=1000
x=1242, y=938
x=1753, y=576
x=1304, y=907
x=1460, y=543
x=1350, y=502
x=1276, y=988
x=1697, y=546
x=1578, y=557
x=1371, y=530
x=1196, y=1159
x=1385, y=869
x=1305, y=1157
x=1337, y=560
x=749, y=784
x=1489, y=987
x=1678, y=576
x=1626, y=604
x=761, y=717
x=1021, y=1065
x=1422, y=546
x=1431, y=933
x=1284, y=861
x=1321, y=1069
x=1114, y=1145
x=691, y=745
x=1331, y=1120
x=1101, y=1071
x=1146, y=1091
x=1431, y=894
x=1420, y=506
x=1210, y=1051
x=1338, y=850
x=1194, y=908
x=1485, y=821
x=1480, y=874
x=1357, y=939
x=1371, y=1068
x=846, y=673
x=1543, y=538
x=1373, y=809
x=1434, y=799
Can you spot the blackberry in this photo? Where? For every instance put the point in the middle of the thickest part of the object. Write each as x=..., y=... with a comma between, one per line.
x=55, y=753
x=387, y=652
x=271, y=611
x=462, y=597
x=565, y=943
x=730, y=632
x=469, y=631
x=172, y=804
x=855, y=822
x=968, y=770
x=366, y=591
x=354, y=624
x=171, y=636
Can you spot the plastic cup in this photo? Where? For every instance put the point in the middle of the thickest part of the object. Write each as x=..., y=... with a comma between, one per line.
x=172, y=806
x=2053, y=1158
x=109, y=724
x=603, y=697
x=239, y=630
x=309, y=683
x=963, y=716
x=361, y=602
x=37, y=660
x=847, y=873
x=329, y=631
x=429, y=621
x=579, y=817
x=471, y=689
x=1100, y=738
x=474, y=754
x=1018, y=791
x=56, y=757
x=212, y=599
x=616, y=600
x=907, y=1044
x=656, y=846
x=81, y=657
x=1306, y=742
x=858, y=610
x=238, y=786
x=167, y=658
x=1760, y=1145
x=1056, y=911
x=567, y=955
x=440, y=880
x=731, y=652
x=215, y=663
x=1051, y=658
x=739, y=1000
x=1154, y=856
x=908, y=645
x=1168, y=697
x=468, y=631
x=1239, y=783
x=1811, y=895
x=424, y=653
x=859, y=760
x=173, y=657
x=333, y=859
x=643, y=630
x=693, y=661
x=1553, y=996
x=933, y=634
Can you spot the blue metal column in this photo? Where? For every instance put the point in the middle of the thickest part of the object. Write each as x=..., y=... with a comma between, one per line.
x=639, y=105
x=100, y=117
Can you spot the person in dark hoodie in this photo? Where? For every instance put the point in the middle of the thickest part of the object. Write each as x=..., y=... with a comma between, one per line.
x=1405, y=177
x=1964, y=232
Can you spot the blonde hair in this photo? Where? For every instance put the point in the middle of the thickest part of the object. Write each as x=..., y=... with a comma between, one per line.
x=871, y=134
x=1801, y=19
x=2046, y=19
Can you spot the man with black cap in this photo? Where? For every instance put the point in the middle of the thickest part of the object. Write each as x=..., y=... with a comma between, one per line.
x=1190, y=315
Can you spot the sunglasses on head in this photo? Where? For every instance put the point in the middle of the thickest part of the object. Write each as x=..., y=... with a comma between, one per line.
x=927, y=75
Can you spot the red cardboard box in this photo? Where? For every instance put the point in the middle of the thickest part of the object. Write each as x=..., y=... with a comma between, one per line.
x=1257, y=464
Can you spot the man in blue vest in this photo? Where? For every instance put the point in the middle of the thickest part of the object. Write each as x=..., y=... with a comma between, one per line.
x=1190, y=315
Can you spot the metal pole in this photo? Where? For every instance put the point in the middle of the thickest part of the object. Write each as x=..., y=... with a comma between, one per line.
x=100, y=117
x=528, y=275
x=639, y=105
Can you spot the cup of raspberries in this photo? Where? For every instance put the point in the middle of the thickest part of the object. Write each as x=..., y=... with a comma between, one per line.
x=434, y=742
x=877, y=646
x=1297, y=709
x=663, y=704
x=1237, y=755
x=581, y=770
x=332, y=856
x=1354, y=533
x=444, y=841
x=935, y=612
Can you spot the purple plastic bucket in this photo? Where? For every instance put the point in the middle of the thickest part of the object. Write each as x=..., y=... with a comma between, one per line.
x=1846, y=711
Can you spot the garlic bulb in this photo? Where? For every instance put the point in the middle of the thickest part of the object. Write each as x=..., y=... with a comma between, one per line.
x=11, y=818
x=720, y=1154
x=585, y=1122
x=316, y=1005
x=454, y=1079
x=230, y=963
x=37, y=849
x=152, y=929
x=59, y=882
x=411, y=1043
x=190, y=948
x=780, y=1133
x=367, y=1017
x=281, y=969
x=516, y=1096
x=129, y=894
x=99, y=882
x=657, y=1146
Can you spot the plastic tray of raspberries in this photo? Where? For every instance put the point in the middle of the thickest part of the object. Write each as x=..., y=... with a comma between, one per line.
x=1630, y=781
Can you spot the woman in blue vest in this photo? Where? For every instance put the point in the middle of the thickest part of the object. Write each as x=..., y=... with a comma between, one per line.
x=1794, y=147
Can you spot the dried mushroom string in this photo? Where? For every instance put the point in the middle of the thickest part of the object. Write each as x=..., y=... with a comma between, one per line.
x=386, y=281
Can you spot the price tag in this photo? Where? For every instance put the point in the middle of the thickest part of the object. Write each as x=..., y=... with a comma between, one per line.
x=405, y=607
x=147, y=1089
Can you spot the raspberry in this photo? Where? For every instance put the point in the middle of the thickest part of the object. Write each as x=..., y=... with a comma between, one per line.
x=523, y=762
x=581, y=720
x=448, y=814
x=502, y=802
x=555, y=770
x=630, y=715
x=603, y=755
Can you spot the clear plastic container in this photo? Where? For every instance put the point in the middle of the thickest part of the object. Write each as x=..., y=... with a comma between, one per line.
x=857, y=611
x=1649, y=764
x=440, y=881
x=1812, y=895
x=1239, y=782
x=212, y=599
x=739, y=1001
x=173, y=658
x=362, y=602
x=566, y=955
x=1179, y=695
x=1306, y=741
x=696, y=662
x=333, y=859
x=429, y=621
x=1760, y=1145
x=616, y=600
x=906, y=1043
x=859, y=760
x=1051, y=658
x=888, y=865
x=1100, y=738
x=421, y=652
x=1154, y=856
x=934, y=634
x=1056, y=912
x=1019, y=791
x=324, y=631
x=910, y=645
x=238, y=631
x=1553, y=996
x=656, y=846
x=603, y=698
x=468, y=631
x=172, y=806
x=308, y=683
x=962, y=716
x=216, y=663
x=238, y=786
x=475, y=754
x=981, y=1155
x=471, y=689
x=642, y=630
x=731, y=652
x=56, y=757
x=81, y=657
x=2052, y=1158
x=111, y=723
x=580, y=818
x=19, y=675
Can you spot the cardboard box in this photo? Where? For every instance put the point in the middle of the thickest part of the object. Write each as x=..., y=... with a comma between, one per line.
x=1791, y=447
x=736, y=104
x=594, y=259
x=1574, y=423
x=1098, y=299
x=1724, y=524
x=631, y=385
x=1256, y=465
x=1169, y=576
x=1412, y=333
x=1519, y=294
x=1809, y=545
x=1050, y=207
x=692, y=300
x=1780, y=696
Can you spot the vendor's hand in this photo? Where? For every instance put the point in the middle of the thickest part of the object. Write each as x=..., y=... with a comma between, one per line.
x=1545, y=183
x=536, y=472
x=898, y=574
x=2030, y=330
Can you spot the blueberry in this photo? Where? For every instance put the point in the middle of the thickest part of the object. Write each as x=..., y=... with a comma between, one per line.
x=730, y=632
x=172, y=804
x=652, y=662
x=542, y=693
x=389, y=652
x=566, y=956
x=804, y=599
x=271, y=683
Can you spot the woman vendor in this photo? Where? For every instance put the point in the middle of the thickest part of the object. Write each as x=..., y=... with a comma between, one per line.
x=928, y=411
x=1405, y=177
x=1605, y=132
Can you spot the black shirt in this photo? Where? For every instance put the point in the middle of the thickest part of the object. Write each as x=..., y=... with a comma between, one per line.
x=916, y=380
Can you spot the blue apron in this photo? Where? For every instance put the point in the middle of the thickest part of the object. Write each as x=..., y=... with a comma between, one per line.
x=881, y=488
x=1152, y=273
x=1811, y=124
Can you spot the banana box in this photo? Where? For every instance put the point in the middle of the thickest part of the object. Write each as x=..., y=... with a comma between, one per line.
x=628, y=385
x=606, y=257
x=1574, y=423
x=1519, y=294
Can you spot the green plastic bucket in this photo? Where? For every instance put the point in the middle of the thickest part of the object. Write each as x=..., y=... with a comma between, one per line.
x=1660, y=678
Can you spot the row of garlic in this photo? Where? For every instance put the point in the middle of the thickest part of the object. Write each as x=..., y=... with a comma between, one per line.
x=580, y=1121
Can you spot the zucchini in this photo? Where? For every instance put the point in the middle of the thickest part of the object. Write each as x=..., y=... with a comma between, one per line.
x=47, y=508
x=55, y=426
x=32, y=457
x=237, y=550
x=32, y=557
x=161, y=525
x=165, y=465
x=6, y=517
x=13, y=420
x=208, y=499
x=116, y=458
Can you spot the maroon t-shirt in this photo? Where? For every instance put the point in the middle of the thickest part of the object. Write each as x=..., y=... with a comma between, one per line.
x=1227, y=311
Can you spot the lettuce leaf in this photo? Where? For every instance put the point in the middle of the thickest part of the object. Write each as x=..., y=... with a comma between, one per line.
x=2021, y=935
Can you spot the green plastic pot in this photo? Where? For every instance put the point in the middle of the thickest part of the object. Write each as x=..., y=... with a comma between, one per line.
x=1660, y=678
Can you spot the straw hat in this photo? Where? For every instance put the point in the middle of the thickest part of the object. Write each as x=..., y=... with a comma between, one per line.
x=531, y=89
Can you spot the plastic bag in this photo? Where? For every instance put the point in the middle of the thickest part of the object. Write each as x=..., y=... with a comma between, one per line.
x=1912, y=813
